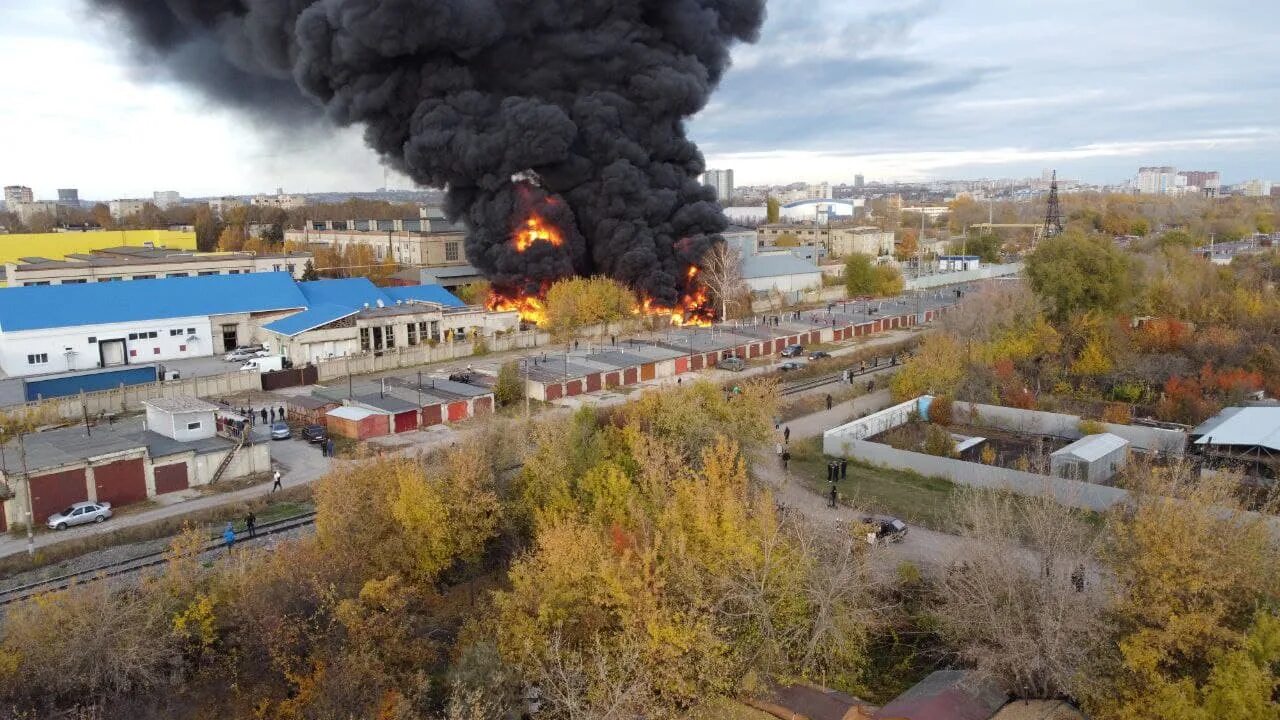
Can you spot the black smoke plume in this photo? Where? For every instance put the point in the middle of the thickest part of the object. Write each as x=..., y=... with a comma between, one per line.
x=581, y=100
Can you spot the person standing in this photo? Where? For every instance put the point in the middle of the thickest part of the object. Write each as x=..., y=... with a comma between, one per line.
x=229, y=536
x=786, y=460
x=786, y=434
x=778, y=449
x=264, y=416
x=329, y=443
x=832, y=502
x=273, y=415
x=280, y=414
x=828, y=401
x=251, y=524
x=276, y=485
x=844, y=468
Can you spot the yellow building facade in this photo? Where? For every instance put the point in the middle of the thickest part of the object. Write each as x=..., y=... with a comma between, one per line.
x=57, y=246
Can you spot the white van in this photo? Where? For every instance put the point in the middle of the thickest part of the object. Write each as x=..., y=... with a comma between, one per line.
x=264, y=364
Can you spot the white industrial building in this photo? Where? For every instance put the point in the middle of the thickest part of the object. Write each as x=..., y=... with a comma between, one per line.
x=46, y=329
x=780, y=271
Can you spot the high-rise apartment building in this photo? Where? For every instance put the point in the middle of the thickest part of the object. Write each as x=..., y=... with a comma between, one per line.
x=858, y=182
x=69, y=197
x=14, y=194
x=165, y=199
x=722, y=181
x=126, y=207
x=1256, y=188
x=1162, y=180
x=1202, y=179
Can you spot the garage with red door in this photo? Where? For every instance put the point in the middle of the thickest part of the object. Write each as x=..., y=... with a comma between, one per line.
x=482, y=405
x=553, y=391
x=648, y=371
x=630, y=376
x=121, y=482
x=171, y=478
x=682, y=365
x=612, y=379
x=432, y=415
x=457, y=411
x=593, y=382
x=406, y=421
x=573, y=387
x=695, y=362
x=53, y=492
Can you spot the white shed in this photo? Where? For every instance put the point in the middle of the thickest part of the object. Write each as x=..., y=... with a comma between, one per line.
x=1092, y=458
x=184, y=418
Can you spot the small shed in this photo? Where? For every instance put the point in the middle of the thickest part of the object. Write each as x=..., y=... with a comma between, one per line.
x=358, y=423
x=184, y=418
x=1092, y=458
x=309, y=410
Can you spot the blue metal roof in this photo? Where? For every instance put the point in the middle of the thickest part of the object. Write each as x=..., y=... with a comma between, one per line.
x=424, y=293
x=38, y=307
x=347, y=292
x=309, y=319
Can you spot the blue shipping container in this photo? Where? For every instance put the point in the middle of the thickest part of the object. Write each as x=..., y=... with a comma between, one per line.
x=89, y=382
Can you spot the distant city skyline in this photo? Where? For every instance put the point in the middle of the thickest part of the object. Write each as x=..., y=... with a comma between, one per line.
x=912, y=90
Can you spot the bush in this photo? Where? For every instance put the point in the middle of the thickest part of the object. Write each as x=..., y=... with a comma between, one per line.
x=1117, y=413
x=1090, y=427
x=938, y=441
x=940, y=410
x=509, y=389
x=480, y=347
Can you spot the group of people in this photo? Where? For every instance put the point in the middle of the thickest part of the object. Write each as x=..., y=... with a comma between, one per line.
x=268, y=415
x=836, y=470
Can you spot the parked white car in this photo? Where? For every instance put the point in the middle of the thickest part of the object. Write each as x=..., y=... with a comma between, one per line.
x=241, y=354
x=80, y=513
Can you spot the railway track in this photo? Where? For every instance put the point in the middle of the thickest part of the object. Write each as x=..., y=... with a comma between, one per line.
x=805, y=385
x=142, y=562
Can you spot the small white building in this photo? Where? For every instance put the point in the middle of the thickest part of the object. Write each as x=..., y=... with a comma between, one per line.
x=184, y=418
x=1092, y=458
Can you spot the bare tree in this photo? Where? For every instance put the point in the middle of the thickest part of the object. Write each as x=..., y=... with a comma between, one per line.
x=722, y=273
x=1024, y=605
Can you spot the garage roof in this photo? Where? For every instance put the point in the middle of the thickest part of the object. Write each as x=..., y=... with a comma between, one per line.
x=351, y=412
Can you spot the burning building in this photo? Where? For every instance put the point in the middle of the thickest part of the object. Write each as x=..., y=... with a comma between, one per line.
x=557, y=126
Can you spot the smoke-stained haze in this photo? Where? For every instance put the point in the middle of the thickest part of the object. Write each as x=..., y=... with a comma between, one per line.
x=586, y=97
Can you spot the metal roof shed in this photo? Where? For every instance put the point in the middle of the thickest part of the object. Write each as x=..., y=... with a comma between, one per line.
x=1092, y=458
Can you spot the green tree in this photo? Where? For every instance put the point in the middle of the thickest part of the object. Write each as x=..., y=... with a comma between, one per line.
x=859, y=275
x=509, y=388
x=773, y=210
x=309, y=271
x=1075, y=272
x=208, y=229
x=889, y=281
x=576, y=303
x=986, y=246
x=787, y=240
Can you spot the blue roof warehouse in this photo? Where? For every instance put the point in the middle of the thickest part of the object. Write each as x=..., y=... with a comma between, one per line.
x=77, y=327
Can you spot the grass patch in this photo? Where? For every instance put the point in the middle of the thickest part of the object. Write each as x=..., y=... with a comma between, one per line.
x=914, y=498
x=281, y=504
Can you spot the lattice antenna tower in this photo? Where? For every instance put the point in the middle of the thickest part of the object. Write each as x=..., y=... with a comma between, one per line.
x=1053, y=218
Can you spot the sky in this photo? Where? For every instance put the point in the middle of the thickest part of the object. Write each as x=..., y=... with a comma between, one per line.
x=896, y=90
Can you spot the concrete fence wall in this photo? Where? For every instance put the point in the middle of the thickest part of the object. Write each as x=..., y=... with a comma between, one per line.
x=1037, y=422
x=1068, y=492
x=951, y=278
x=129, y=398
x=422, y=354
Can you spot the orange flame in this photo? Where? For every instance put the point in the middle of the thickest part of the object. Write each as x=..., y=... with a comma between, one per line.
x=694, y=309
x=536, y=230
x=531, y=308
